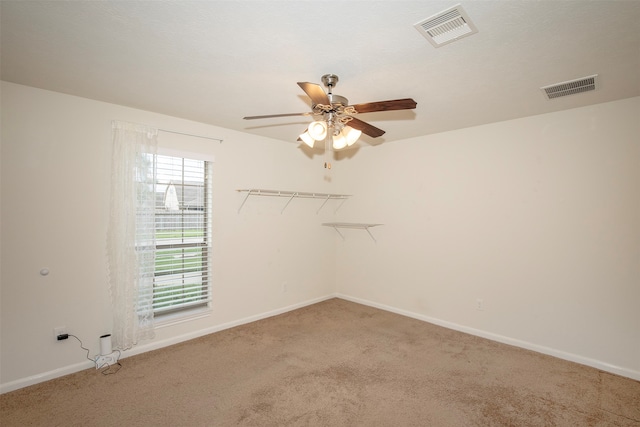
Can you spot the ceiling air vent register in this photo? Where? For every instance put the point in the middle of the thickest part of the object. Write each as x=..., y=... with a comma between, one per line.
x=570, y=87
x=447, y=26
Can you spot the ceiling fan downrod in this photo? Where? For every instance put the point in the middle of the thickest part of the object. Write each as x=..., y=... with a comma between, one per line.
x=329, y=80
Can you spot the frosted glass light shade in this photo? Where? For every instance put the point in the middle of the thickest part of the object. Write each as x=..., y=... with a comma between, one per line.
x=351, y=134
x=347, y=137
x=306, y=138
x=318, y=130
x=339, y=141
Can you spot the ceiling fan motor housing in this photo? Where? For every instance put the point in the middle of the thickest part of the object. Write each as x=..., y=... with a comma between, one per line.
x=337, y=100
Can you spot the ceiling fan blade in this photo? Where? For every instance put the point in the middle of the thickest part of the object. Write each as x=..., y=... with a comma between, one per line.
x=396, y=104
x=277, y=115
x=315, y=92
x=365, y=127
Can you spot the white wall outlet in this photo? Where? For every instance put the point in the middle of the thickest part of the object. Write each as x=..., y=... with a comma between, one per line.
x=60, y=330
x=284, y=286
x=106, y=360
x=479, y=304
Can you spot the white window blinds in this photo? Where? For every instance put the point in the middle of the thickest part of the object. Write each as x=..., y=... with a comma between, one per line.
x=182, y=226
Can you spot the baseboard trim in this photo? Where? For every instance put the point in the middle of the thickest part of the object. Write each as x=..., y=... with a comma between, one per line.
x=625, y=372
x=156, y=345
x=45, y=376
x=143, y=348
x=66, y=370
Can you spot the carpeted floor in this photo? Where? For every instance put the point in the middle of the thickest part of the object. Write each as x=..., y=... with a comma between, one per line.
x=335, y=363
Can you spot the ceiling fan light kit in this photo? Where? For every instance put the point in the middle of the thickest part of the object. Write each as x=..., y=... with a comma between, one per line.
x=318, y=130
x=339, y=141
x=307, y=139
x=333, y=116
x=351, y=135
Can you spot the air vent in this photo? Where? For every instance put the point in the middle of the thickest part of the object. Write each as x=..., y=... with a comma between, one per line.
x=571, y=87
x=447, y=26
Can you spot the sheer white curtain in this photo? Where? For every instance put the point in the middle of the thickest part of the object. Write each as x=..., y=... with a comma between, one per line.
x=131, y=236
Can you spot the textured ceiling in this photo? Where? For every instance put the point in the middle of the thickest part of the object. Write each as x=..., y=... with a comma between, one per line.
x=218, y=61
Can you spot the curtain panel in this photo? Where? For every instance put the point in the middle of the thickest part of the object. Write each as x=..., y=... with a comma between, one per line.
x=131, y=233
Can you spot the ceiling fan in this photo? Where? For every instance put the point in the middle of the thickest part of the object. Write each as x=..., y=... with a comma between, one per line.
x=333, y=116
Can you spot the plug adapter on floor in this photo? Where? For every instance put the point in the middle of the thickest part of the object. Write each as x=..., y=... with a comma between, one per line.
x=105, y=360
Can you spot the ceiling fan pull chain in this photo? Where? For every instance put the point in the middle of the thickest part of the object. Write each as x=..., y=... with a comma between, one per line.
x=327, y=153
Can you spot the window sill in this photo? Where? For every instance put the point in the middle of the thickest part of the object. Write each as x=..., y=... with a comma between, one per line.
x=171, y=319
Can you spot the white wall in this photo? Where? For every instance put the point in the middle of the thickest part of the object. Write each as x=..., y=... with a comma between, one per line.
x=538, y=217
x=55, y=197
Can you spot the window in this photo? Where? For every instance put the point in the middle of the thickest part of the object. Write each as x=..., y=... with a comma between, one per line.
x=182, y=224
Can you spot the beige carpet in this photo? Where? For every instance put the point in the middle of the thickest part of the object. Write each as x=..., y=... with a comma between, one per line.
x=335, y=363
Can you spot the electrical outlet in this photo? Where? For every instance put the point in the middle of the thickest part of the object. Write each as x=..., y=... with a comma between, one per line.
x=105, y=360
x=284, y=286
x=60, y=330
x=479, y=304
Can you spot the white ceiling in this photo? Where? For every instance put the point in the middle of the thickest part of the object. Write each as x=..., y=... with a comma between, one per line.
x=218, y=61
